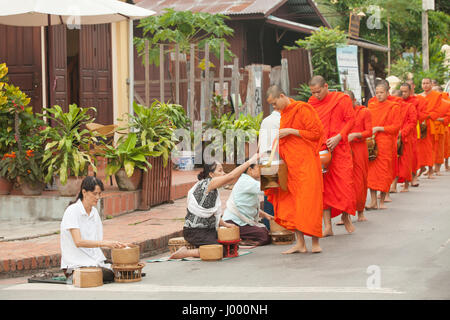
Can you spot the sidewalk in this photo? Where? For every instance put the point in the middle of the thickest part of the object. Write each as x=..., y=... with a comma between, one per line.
x=150, y=229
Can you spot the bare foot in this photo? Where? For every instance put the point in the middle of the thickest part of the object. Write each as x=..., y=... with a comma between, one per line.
x=393, y=190
x=373, y=206
x=316, y=248
x=382, y=206
x=431, y=177
x=179, y=254
x=348, y=223
x=361, y=219
x=439, y=173
x=328, y=232
x=340, y=223
x=295, y=249
x=404, y=190
x=387, y=199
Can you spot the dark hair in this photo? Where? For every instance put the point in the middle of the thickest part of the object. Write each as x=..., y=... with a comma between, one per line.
x=405, y=84
x=250, y=166
x=207, y=169
x=89, y=183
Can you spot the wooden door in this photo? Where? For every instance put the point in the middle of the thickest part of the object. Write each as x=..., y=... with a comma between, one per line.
x=58, y=67
x=95, y=71
x=20, y=49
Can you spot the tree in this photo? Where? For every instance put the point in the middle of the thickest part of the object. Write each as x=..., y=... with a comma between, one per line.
x=323, y=44
x=183, y=28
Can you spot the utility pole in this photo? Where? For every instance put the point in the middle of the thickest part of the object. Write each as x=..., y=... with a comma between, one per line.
x=426, y=5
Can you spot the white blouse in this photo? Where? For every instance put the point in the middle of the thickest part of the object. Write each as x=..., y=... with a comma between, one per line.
x=91, y=228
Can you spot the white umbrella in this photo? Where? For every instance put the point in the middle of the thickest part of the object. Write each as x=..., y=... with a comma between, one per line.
x=28, y=13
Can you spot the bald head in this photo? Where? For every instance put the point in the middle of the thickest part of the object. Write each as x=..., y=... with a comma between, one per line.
x=317, y=81
x=405, y=89
x=318, y=87
x=381, y=91
x=397, y=93
x=437, y=88
x=277, y=98
x=426, y=85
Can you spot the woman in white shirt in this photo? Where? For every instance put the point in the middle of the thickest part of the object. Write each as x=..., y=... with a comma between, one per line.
x=82, y=232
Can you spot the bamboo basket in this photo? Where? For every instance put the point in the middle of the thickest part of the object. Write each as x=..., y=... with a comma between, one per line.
x=88, y=277
x=177, y=243
x=125, y=256
x=228, y=234
x=128, y=273
x=211, y=252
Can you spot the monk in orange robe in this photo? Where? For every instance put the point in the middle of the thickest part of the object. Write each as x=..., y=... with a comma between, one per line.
x=436, y=120
x=300, y=208
x=446, y=97
x=338, y=118
x=385, y=125
x=357, y=138
x=420, y=104
x=407, y=134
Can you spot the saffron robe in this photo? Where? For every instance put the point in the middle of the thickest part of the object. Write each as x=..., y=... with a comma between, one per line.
x=360, y=155
x=384, y=114
x=408, y=133
x=301, y=207
x=337, y=116
x=415, y=135
x=424, y=146
x=436, y=110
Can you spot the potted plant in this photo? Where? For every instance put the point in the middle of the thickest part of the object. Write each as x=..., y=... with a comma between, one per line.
x=66, y=153
x=126, y=161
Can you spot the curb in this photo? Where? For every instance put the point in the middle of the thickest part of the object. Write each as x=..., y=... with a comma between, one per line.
x=11, y=268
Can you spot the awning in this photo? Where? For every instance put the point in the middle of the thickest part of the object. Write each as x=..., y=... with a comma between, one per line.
x=303, y=28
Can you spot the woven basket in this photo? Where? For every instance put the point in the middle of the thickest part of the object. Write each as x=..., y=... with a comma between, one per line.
x=177, y=243
x=282, y=237
x=228, y=234
x=211, y=252
x=125, y=256
x=88, y=277
x=128, y=273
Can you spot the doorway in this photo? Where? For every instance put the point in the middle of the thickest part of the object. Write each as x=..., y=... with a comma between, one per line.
x=73, y=66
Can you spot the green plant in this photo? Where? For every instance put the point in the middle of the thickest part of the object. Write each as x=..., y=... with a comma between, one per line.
x=68, y=144
x=176, y=114
x=153, y=126
x=183, y=28
x=323, y=44
x=127, y=156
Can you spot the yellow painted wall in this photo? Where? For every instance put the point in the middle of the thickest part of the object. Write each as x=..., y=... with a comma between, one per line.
x=119, y=33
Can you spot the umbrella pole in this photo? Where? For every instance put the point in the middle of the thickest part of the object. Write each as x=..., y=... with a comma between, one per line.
x=48, y=63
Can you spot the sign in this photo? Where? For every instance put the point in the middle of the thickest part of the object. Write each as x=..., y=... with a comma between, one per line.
x=347, y=62
x=353, y=26
x=427, y=5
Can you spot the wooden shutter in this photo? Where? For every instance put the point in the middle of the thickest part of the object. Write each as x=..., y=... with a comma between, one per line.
x=95, y=71
x=58, y=67
x=20, y=49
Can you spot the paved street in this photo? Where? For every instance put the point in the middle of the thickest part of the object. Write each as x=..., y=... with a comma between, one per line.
x=407, y=246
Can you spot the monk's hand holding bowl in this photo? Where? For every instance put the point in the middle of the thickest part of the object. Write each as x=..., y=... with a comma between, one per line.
x=334, y=141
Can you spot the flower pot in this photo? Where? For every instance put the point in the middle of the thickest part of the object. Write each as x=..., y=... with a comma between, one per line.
x=5, y=186
x=126, y=183
x=31, y=188
x=71, y=188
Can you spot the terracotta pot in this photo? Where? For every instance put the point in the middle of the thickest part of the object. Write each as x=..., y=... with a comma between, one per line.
x=31, y=189
x=5, y=186
x=71, y=188
x=126, y=183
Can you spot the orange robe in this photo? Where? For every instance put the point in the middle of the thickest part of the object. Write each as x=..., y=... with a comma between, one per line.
x=394, y=137
x=360, y=155
x=408, y=133
x=437, y=129
x=385, y=115
x=424, y=145
x=300, y=208
x=337, y=116
x=414, y=135
x=447, y=131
